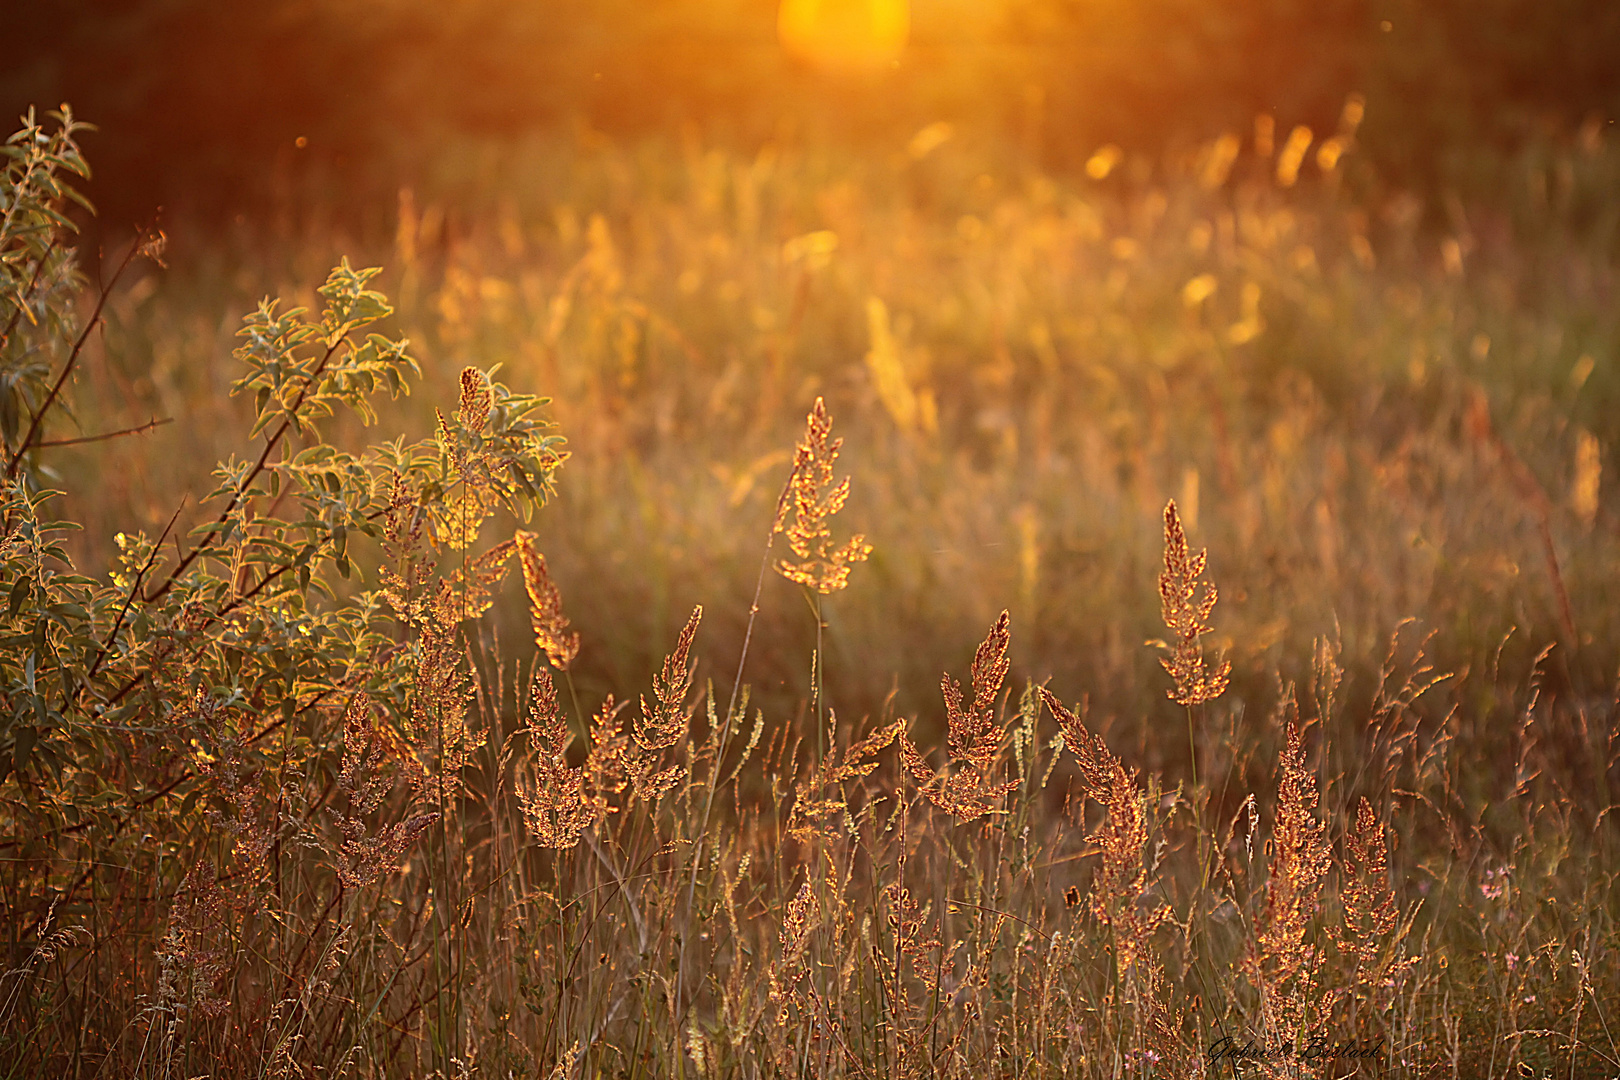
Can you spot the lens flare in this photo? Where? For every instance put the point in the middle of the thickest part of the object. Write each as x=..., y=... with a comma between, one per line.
x=845, y=34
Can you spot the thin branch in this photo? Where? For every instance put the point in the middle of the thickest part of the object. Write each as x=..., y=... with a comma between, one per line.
x=134, y=591
x=148, y=426
x=167, y=789
x=263, y=583
x=247, y=481
x=135, y=248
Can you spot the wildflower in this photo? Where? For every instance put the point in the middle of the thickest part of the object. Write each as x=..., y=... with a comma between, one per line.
x=1495, y=884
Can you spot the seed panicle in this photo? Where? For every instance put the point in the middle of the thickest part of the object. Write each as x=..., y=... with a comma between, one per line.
x=562, y=803
x=545, y=605
x=1281, y=961
x=1187, y=603
x=813, y=501
x=656, y=730
x=973, y=737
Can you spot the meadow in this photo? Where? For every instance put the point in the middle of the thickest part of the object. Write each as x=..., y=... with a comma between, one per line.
x=1255, y=512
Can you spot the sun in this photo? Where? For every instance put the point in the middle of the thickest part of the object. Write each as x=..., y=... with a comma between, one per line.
x=845, y=34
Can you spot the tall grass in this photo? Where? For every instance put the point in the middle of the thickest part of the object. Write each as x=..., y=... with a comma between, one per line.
x=361, y=813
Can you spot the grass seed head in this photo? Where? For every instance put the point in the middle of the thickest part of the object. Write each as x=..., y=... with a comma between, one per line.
x=1187, y=603
x=820, y=795
x=473, y=498
x=1370, y=933
x=476, y=582
x=1281, y=961
x=782, y=977
x=973, y=737
x=561, y=804
x=813, y=499
x=545, y=606
x=661, y=728
x=477, y=396
x=656, y=730
x=1122, y=838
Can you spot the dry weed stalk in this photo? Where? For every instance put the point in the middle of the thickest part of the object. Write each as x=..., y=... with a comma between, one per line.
x=464, y=513
x=606, y=767
x=1372, y=933
x=815, y=499
x=783, y=975
x=973, y=737
x=439, y=729
x=254, y=821
x=568, y=1064
x=366, y=856
x=408, y=566
x=912, y=941
x=1187, y=603
x=474, y=585
x=476, y=581
x=194, y=958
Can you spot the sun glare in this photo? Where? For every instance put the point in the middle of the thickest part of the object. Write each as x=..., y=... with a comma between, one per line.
x=845, y=34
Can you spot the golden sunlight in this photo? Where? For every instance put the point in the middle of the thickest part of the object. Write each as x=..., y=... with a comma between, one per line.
x=845, y=34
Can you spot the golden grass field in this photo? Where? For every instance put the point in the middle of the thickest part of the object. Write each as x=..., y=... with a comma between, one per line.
x=1256, y=517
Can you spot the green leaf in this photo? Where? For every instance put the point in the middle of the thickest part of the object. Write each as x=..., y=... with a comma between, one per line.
x=19, y=594
x=23, y=747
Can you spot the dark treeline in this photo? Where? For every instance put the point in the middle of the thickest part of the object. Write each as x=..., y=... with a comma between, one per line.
x=202, y=104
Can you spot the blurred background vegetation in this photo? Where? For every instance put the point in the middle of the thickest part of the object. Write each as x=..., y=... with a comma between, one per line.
x=201, y=103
